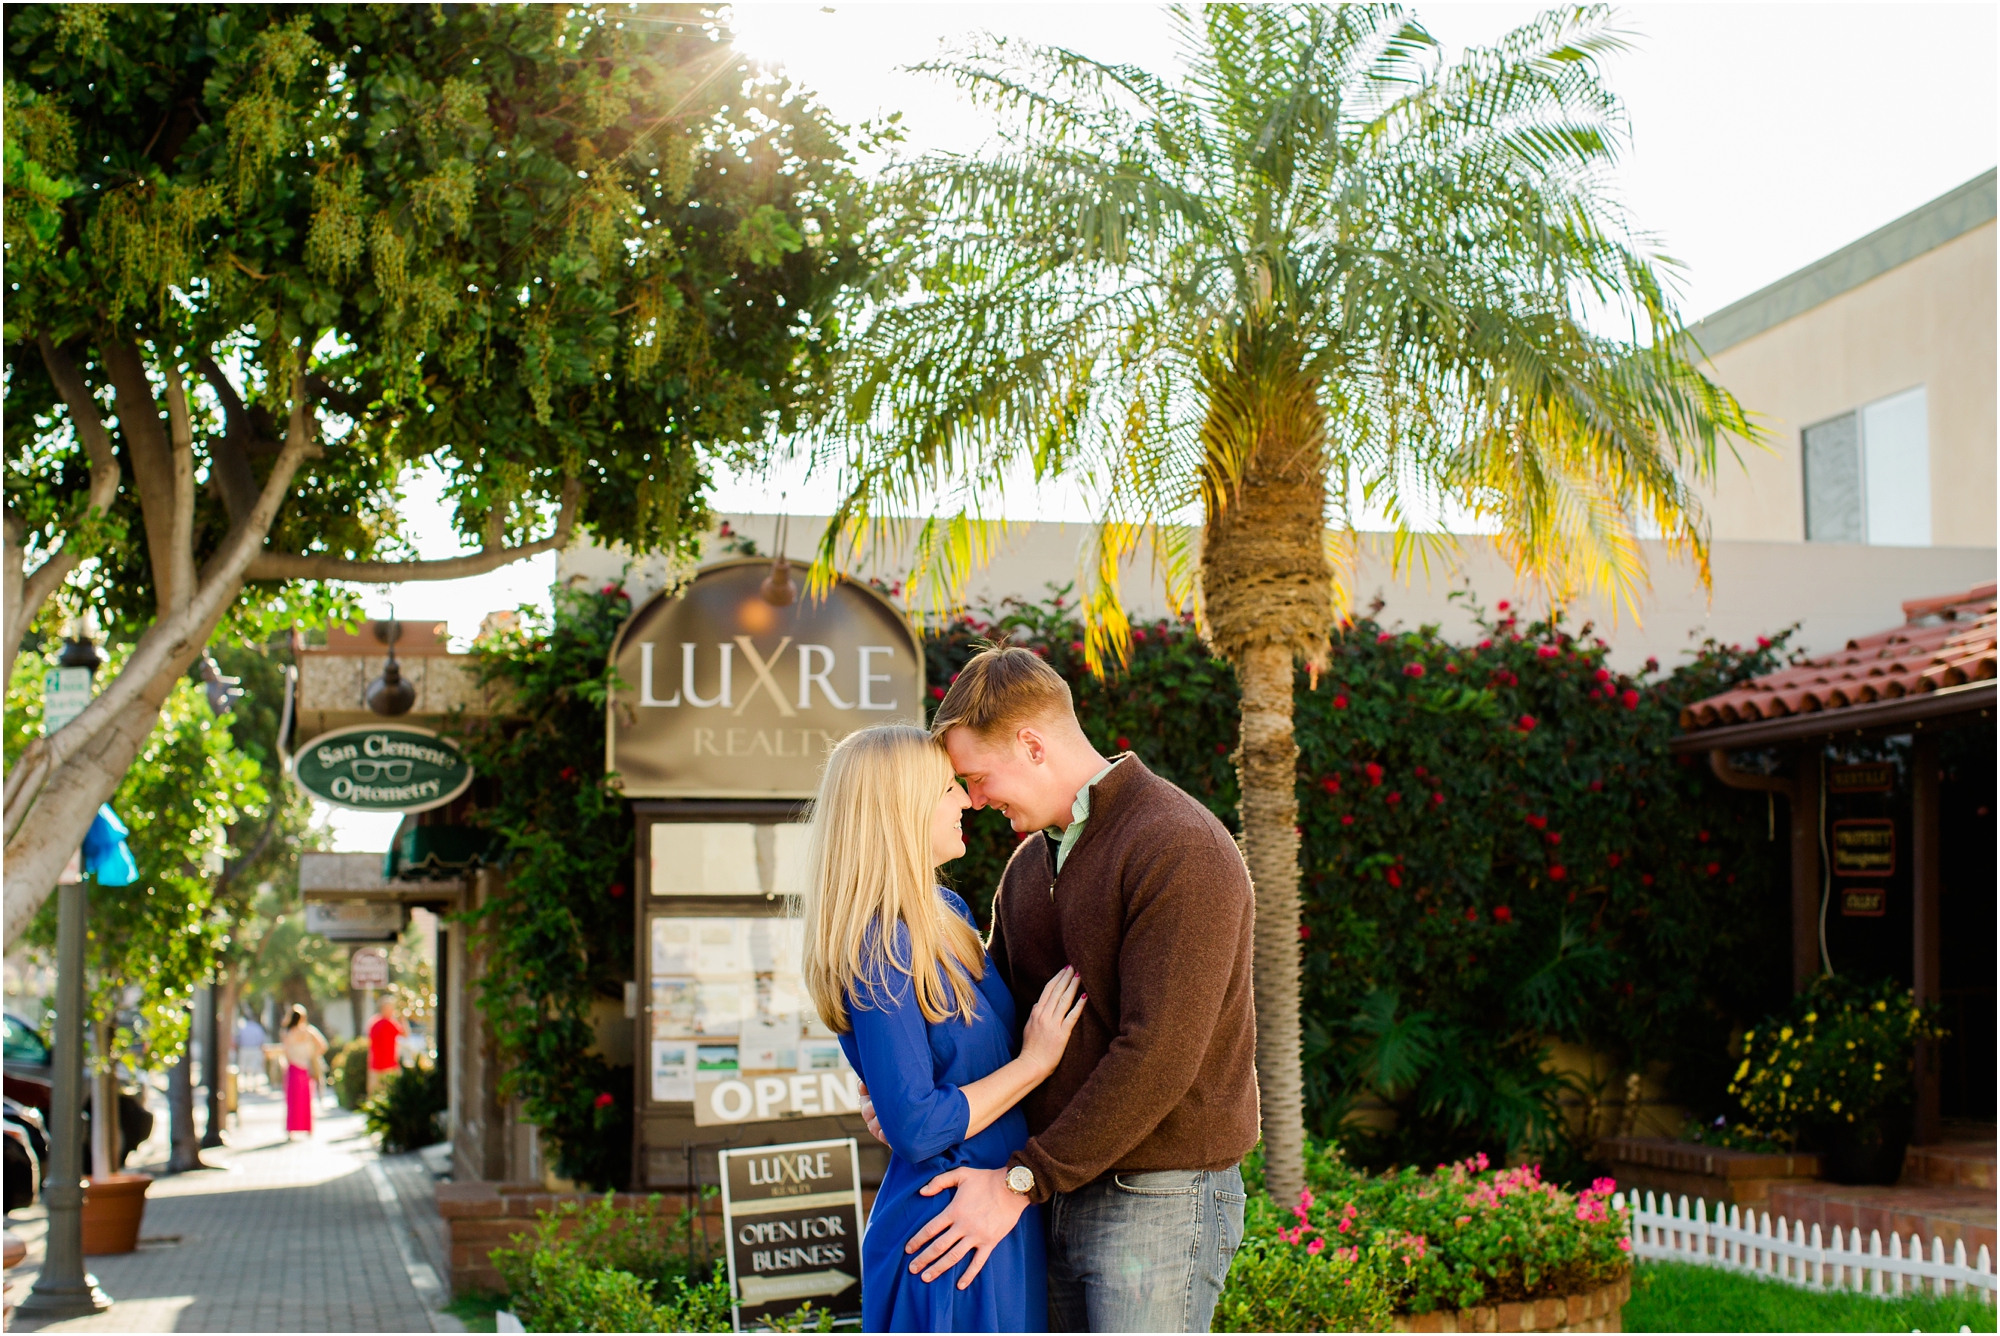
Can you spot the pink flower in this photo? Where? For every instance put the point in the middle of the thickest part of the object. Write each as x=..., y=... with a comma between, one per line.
x=1547, y=652
x=1138, y=636
x=1314, y=1248
x=1385, y=637
x=1602, y=675
x=1631, y=699
x=603, y=1101
x=1463, y=1221
x=1624, y=1245
x=1503, y=605
x=1347, y=820
x=1413, y=670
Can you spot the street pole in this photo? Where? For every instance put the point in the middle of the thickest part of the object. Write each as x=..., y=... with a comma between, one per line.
x=64, y=1289
x=213, y=1068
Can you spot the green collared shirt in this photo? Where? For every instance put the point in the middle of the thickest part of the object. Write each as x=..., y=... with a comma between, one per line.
x=1079, y=812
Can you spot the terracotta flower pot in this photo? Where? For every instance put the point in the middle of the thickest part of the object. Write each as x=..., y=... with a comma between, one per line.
x=113, y=1206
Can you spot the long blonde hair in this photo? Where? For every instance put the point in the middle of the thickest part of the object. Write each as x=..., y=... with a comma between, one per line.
x=868, y=861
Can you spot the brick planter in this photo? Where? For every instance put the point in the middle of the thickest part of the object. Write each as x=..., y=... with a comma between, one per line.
x=480, y=1217
x=1601, y=1309
x=1682, y=1168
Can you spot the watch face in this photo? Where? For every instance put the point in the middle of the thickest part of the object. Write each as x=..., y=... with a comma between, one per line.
x=1020, y=1178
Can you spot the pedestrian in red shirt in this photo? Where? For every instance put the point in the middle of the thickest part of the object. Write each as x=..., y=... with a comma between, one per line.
x=383, y=1036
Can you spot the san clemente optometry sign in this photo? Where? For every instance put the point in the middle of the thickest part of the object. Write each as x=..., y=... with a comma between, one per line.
x=728, y=696
x=382, y=768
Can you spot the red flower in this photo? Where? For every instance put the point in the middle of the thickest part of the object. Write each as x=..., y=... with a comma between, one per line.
x=1076, y=647
x=1631, y=699
x=1503, y=605
x=1602, y=675
x=1437, y=800
x=1538, y=822
x=1124, y=744
x=1347, y=820
x=1702, y=835
x=617, y=890
x=1413, y=670
x=1646, y=879
x=1331, y=784
x=603, y=1101
x=1486, y=644
x=1394, y=876
x=1714, y=868
x=1340, y=702
x=1763, y=642
x=1557, y=872
x=1305, y=933
x=1421, y=772
x=1547, y=652
x=1451, y=667
x=1373, y=771
x=1138, y=636
x=1385, y=637
x=1526, y=723
x=1614, y=859
x=566, y=774
x=1472, y=916
x=1393, y=799
x=1222, y=749
x=608, y=589
x=937, y=693
x=1502, y=914
x=1597, y=786
x=1554, y=837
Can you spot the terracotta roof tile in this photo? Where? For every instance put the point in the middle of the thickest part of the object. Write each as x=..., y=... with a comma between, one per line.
x=1944, y=642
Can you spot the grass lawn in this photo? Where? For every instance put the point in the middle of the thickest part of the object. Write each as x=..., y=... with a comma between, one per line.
x=476, y=1310
x=1669, y=1296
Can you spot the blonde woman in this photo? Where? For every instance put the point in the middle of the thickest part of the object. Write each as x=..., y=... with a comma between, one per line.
x=304, y=1046
x=897, y=970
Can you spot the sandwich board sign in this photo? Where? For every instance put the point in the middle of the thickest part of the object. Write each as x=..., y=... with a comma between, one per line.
x=793, y=1216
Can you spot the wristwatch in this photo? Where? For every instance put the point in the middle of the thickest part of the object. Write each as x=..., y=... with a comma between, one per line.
x=1021, y=1179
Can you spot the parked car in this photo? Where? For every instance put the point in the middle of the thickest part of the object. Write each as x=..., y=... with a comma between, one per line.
x=30, y=1079
x=27, y=1154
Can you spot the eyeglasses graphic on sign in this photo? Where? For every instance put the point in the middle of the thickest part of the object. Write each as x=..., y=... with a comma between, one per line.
x=395, y=771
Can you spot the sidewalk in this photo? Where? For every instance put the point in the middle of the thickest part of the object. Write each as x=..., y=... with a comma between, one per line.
x=301, y=1236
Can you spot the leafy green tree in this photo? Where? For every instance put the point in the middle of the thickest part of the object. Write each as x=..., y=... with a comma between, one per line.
x=262, y=259
x=1322, y=272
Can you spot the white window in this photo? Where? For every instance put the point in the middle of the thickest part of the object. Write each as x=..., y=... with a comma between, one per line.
x=1868, y=474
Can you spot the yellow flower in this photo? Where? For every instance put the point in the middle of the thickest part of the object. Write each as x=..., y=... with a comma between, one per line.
x=1811, y=1016
x=1850, y=1043
x=1741, y=1070
x=1785, y=1033
x=1835, y=1106
x=1881, y=1005
x=1787, y=1081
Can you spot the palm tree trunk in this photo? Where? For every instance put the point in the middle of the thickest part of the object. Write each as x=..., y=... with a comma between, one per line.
x=1267, y=764
x=1267, y=600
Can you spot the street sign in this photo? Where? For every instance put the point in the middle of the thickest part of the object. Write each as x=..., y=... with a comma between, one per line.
x=382, y=768
x=368, y=968
x=356, y=920
x=65, y=691
x=793, y=1217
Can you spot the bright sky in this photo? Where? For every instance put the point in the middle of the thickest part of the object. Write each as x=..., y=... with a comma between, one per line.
x=1763, y=137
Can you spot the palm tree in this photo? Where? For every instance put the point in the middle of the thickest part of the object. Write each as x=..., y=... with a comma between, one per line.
x=1324, y=273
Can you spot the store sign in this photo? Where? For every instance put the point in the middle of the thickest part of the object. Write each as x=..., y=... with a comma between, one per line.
x=729, y=696
x=382, y=768
x=1864, y=847
x=368, y=968
x=355, y=920
x=1874, y=777
x=793, y=1217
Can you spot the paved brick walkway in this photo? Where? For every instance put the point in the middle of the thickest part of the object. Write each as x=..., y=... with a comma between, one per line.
x=283, y=1237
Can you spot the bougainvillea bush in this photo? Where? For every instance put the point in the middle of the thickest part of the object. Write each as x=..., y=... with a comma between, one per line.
x=1498, y=851
x=1461, y=1235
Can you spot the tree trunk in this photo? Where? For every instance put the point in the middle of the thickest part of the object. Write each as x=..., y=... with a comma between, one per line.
x=183, y=1137
x=1267, y=600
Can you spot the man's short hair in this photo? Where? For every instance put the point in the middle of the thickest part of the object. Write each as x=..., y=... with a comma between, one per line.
x=1001, y=688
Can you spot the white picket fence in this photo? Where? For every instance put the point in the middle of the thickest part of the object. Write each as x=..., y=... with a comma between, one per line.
x=1784, y=1250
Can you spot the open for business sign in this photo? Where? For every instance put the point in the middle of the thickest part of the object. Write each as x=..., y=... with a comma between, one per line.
x=793, y=1216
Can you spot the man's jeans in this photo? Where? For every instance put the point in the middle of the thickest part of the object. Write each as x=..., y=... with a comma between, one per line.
x=1142, y=1252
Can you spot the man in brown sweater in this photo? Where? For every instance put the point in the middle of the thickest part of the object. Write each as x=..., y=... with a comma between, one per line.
x=1136, y=1138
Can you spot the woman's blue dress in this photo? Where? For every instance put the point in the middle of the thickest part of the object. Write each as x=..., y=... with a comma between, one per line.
x=913, y=1070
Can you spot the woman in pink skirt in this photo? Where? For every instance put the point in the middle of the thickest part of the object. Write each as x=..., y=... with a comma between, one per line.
x=303, y=1047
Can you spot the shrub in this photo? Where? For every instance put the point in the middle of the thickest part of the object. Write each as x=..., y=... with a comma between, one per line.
x=1276, y=1286
x=1494, y=854
x=1460, y=1236
x=1841, y=1055
x=404, y=1116
x=347, y=1070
